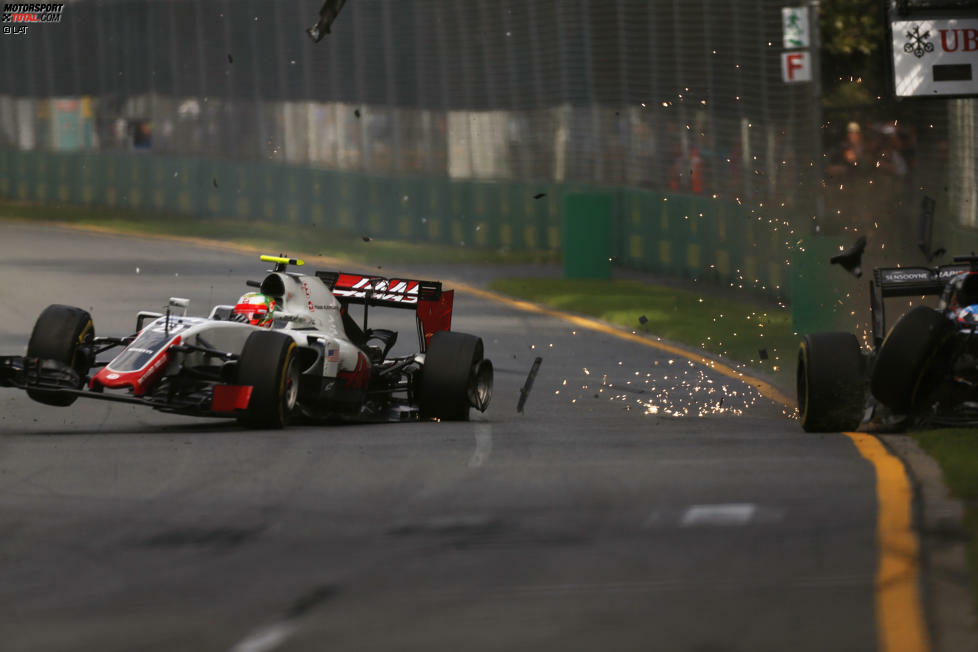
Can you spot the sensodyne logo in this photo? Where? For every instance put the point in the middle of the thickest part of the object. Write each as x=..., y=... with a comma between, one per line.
x=918, y=275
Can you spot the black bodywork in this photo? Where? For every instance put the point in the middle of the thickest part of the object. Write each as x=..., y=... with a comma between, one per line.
x=948, y=385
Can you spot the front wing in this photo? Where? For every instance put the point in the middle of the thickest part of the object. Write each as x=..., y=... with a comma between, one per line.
x=54, y=377
x=217, y=400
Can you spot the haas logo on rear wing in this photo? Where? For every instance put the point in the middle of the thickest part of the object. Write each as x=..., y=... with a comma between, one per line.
x=433, y=305
x=396, y=293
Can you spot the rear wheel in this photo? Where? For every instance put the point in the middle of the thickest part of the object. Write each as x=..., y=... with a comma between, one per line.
x=455, y=377
x=911, y=359
x=831, y=388
x=63, y=334
x=268, y=363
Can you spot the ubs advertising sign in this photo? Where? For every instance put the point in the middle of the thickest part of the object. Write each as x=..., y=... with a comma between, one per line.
x=935, y=57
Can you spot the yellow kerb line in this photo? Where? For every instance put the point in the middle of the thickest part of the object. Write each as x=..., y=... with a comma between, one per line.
x=899, y=614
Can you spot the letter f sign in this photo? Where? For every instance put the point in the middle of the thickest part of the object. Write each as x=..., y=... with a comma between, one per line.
x=796, y=67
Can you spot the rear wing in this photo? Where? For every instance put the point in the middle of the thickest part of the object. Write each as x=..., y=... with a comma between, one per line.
x=914, y=281
x=890, y=282
x=380, y=291
x=432, y=304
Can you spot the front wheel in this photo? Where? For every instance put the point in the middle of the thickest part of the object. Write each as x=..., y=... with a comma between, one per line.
x=268, y=363
x=455, y=377
x=63, y=334
x=831, y=385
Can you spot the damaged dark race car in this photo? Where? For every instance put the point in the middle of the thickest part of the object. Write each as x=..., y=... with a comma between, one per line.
x=289, y=349
x=923, y=372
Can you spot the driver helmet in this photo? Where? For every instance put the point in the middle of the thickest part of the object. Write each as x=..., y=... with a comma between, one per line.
x=256, y=308
x=965, y=290
x=968, y=315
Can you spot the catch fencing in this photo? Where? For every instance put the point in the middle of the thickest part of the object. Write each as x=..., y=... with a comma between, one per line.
x=432, y=120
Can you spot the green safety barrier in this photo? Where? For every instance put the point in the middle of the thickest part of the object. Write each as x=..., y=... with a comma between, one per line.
x=587, y=235
x=675, y=235
x=818, y=286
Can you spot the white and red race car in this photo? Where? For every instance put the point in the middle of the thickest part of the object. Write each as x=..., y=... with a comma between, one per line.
x=313, y=361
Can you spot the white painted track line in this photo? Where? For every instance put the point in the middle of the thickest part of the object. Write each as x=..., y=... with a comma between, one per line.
x=265, y=638
x=718, y=515
x=483, y=445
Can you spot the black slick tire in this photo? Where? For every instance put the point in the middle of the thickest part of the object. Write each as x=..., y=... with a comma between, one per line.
x=268, y=362
x=910, y=359
x=63, y=334
x=831, y=383
x=450, y=362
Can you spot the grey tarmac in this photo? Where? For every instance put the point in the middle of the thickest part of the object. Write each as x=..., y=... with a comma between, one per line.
x=595, y=520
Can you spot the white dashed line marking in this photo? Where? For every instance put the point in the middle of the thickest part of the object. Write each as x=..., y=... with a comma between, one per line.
x=266, y=638
x=483, y=445
x=718, y=515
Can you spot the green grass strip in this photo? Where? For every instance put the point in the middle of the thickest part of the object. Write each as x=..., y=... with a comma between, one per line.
x=738, y=330
x=294, y=239
x=956, y=450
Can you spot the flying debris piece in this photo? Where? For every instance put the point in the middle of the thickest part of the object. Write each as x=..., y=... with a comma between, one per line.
x=762, y=354
x=643, y=320
x=327, y=14
x=356, y=112
x=366, y=238
x=540, y=195
x=214, y=181
x=230, y=58
x=937, y=254
x=528, y=385
x=925, y=227
x=852, y=258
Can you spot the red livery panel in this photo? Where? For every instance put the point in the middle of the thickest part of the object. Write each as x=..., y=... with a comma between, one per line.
x=140, y=379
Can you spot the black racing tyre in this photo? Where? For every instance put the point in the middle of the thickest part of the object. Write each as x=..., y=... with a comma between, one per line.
x=831, y=382
x=268, y=363
x=452, y=362
x=64, y=334
x=911, y=359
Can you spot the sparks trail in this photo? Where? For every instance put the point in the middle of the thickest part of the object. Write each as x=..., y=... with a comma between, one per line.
x=685, y=391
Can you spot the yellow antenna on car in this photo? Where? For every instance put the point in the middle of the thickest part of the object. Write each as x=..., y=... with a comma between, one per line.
x=281, y=260
x=281, y=263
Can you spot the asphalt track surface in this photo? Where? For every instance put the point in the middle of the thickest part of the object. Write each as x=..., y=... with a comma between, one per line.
x=591, y=521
